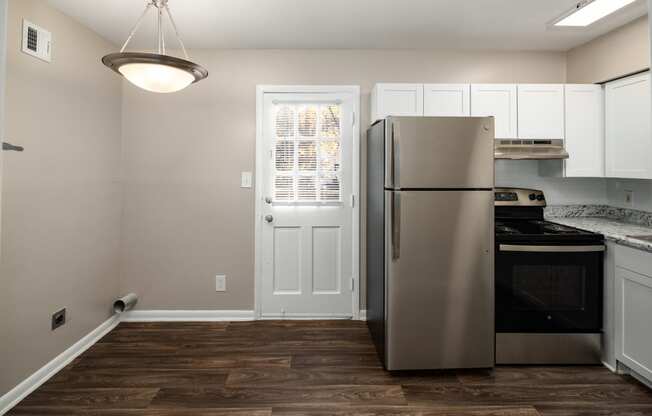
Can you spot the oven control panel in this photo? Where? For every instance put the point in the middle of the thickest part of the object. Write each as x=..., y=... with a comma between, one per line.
x=519, y=197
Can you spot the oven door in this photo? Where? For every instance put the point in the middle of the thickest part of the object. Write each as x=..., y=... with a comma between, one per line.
x=549, y=289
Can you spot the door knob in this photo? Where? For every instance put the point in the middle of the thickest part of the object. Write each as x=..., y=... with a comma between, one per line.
x=268, y=200
x=269, y=218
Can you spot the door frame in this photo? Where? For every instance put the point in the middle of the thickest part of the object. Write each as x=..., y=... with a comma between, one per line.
x=261, y=90
x=4, y=11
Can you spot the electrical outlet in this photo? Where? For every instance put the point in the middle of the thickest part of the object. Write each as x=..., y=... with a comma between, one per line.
x=220, y=283
x=629, y=198
x=58, y=319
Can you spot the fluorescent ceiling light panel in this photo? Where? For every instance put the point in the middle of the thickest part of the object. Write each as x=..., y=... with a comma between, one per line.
x=588, y=12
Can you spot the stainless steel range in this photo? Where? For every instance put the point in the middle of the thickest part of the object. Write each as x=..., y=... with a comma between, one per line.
x=548, y=285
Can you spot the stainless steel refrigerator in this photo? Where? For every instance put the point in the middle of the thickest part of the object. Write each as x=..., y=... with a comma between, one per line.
x=430, y=241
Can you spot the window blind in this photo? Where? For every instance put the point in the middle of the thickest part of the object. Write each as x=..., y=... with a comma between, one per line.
x=307, y=153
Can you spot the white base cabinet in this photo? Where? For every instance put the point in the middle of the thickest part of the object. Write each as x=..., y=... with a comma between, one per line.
x=633, y=310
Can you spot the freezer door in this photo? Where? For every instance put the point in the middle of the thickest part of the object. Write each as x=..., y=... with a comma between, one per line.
x=440, y=280
x=439, y=152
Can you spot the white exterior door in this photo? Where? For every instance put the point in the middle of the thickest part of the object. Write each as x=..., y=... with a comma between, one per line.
x=307, y=209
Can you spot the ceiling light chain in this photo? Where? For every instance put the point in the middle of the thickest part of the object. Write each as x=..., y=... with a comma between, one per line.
x=161, y=36
x=176, y=30
x=136, y=27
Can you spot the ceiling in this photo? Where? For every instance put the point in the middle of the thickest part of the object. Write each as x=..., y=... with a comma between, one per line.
x=414, y=24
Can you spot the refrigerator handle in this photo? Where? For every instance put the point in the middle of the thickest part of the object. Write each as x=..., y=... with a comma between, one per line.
x=395, y=155
x=396, y=225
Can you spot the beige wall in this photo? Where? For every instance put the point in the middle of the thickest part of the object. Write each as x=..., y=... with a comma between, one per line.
x=62, y=196
x=620, y=52
x=185, y=217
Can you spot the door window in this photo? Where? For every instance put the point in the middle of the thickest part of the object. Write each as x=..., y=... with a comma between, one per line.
x=307, y=153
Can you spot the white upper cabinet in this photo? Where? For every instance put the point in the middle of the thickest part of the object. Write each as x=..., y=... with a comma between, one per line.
x=447, y=100
x=500, y=101
x=627, y=126
x=541, y=111
x=396, y=100
x=584, y=130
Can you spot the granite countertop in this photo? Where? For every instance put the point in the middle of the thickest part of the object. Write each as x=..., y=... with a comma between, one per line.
x=616, y=224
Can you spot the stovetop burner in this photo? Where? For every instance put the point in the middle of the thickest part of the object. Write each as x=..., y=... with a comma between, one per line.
x=536, y=228
x=519, y=219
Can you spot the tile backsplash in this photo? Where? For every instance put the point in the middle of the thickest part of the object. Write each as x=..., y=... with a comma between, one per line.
x=576, y=191
x=559, y=191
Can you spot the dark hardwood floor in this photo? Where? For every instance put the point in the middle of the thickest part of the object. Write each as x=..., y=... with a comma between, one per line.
x=295, y=368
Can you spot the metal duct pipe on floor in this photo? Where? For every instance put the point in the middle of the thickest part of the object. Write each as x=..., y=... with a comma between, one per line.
x=125, y=303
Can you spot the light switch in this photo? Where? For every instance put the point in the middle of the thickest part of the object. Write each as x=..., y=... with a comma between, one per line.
x=220, y=283
x=247, y=180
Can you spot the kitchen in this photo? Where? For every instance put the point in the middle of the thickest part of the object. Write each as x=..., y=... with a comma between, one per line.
x=242, y=210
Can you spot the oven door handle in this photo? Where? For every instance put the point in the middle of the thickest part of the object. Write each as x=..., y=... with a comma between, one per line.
x=551, y=249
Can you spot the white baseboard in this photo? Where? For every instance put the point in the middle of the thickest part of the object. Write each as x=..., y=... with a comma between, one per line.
x=305, y=316
x=18, y=393
x=363, y=314
x=623, y=369
x=187, y=316
x=609, y=366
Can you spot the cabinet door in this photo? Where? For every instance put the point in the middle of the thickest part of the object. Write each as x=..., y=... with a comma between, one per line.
x=627, y=126
x=498, y=100
x=396, y=100
x=584, y=130
x=633, y=326
x=541, y=111
x=447, y=100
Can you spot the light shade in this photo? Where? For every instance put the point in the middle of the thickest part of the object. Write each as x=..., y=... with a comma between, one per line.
x=589, y=12
x=156, y=77
x=154, y=72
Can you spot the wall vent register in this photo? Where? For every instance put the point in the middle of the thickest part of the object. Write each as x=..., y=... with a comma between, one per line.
x=37, y=41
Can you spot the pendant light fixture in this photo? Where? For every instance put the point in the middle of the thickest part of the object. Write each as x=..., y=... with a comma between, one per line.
x=156, y=72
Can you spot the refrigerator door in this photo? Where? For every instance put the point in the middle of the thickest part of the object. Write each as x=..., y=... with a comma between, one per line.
x=439, y=152
x=439, y=279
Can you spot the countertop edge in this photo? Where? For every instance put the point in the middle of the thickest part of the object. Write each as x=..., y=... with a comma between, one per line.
x=605, y=226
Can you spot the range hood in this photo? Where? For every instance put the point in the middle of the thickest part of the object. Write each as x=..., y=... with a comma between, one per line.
x=530, y=149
